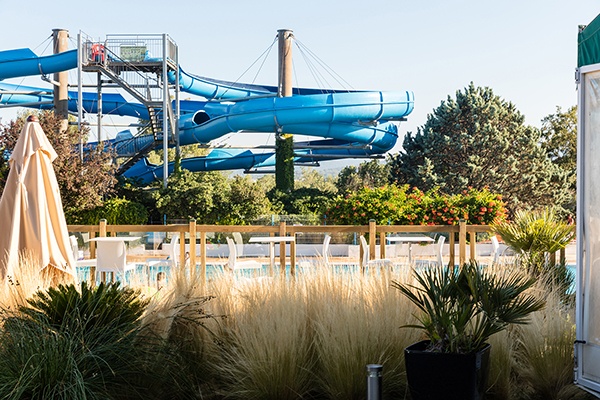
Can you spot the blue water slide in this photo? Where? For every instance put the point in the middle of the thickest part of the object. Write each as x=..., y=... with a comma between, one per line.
x=235, y=159
x=24, y=62
x=112, y=103
x=357, y=123
x=214, y=89
x=353, y=117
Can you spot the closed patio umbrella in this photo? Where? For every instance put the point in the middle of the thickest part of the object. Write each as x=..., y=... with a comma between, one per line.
x=31, y=214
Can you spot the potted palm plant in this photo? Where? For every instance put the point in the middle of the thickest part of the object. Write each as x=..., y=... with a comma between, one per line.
x=458, y=310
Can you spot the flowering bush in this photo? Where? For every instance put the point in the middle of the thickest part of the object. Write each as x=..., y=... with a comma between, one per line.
x=411, y=206
x=416, y=204
x=385, y=205
x=480, y=207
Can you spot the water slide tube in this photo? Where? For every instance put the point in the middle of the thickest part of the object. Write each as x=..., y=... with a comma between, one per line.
x=214, y=89
x=232, y=159
x=348, y=119
x=343, y=116
x=24, y=62
x=358, y=120
x=112, y=103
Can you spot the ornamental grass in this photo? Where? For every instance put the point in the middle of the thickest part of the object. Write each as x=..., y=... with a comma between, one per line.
x=308, y=337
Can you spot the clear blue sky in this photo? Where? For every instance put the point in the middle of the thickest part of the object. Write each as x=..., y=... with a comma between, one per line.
x=525, y=50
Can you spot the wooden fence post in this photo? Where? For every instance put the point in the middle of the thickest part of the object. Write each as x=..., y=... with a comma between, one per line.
x=462, y=241
x=452, y=248
x=102, y=227
x=102, y=233
x=203, y=256
x=282, y=232
x=192, y=233
x=472, y=244
x=372, y=238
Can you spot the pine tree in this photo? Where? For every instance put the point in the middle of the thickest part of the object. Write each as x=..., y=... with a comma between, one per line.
x=559, y=137
x=479, y=140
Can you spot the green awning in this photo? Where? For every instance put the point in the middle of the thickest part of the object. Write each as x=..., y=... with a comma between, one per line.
x=588, y=43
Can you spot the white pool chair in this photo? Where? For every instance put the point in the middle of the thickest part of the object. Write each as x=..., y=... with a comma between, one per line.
x=80, y=261
x=439, y=250
x=233, y=264
x=112, y=258
x=172, y=259
x=495, y=254
x=385, y=263
x=239, y=243
x=437, y=258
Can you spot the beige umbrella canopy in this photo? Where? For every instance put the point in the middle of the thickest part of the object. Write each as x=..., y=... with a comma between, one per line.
x=32, y=220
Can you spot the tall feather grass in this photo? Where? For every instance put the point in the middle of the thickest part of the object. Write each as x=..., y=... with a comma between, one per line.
x=310, y=337
x=28, y=279
x=544, y=349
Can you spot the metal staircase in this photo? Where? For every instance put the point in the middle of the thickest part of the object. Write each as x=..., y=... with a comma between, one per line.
x=124, y=61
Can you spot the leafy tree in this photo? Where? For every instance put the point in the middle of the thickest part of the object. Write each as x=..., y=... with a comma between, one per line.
x=303, y=201
x=479, y=140
x=266, y=182
x=559, y=138
x=193, y=195
x=311, y=178
x=132, y=189
x=191, y=150
x=247, y=201
x=82, y=184
x=370, y=174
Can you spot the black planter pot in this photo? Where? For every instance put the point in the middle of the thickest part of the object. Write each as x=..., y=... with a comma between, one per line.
x=448, y=376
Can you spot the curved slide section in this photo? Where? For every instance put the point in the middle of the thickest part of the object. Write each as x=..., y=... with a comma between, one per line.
x=351, y=117
x=214, y=89
x=112, y=103
x=24, y=62
x=232, y=159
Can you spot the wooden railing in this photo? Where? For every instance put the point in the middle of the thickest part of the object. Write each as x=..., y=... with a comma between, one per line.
x=374, y=231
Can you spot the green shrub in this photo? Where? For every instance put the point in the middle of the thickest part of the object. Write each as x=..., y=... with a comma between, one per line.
x=116, y=212
x=304, y=201
x=481, y=207
x=535, y=234
x=73, y=344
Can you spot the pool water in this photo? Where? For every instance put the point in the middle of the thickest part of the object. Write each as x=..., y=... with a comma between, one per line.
x=143, y=271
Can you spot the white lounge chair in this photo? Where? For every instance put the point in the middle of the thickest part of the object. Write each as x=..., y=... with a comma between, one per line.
x=439, y=251
x=239, y=243
x=495, y=255
x=326, y=254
